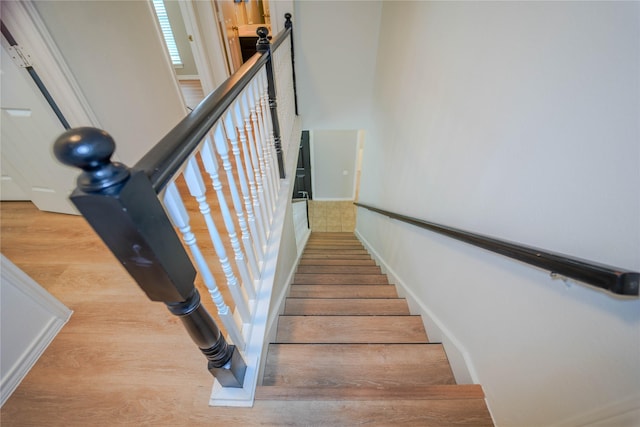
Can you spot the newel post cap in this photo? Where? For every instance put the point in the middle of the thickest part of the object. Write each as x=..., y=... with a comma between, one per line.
x=263, y=43
x=90, y=149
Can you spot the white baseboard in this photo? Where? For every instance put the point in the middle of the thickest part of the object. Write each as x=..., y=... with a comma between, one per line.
x=188, y=77
x=623, y=413
x=459, y=358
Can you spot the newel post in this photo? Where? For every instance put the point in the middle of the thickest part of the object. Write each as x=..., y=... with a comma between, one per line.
x=124, y=210
x=264, y=46
x=288, y=24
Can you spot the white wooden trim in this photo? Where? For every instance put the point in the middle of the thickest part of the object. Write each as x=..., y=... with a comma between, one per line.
x=609, y=414
x=201, y=23
x=60, y=314
x=26, y=26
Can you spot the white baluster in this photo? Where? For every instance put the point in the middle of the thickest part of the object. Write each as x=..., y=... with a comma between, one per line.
x=259, y=201
x=180, y=218
x=211, y=166
x=262, y=113
x=198, y=190
x=261, y=139
x=223, y=152
x=254, y=223
x=271, y=151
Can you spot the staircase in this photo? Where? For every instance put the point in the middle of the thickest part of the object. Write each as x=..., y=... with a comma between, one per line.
x=348, y=351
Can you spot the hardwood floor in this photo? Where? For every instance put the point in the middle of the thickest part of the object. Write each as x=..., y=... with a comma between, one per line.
x=123, y=360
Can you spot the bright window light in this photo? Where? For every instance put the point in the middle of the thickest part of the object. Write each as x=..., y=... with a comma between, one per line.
x=169, y=40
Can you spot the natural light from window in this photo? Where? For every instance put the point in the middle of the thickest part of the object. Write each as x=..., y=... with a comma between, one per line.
x=169, y=40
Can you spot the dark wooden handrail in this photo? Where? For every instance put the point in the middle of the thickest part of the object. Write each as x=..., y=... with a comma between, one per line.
x=166, y=158
x=613, y=279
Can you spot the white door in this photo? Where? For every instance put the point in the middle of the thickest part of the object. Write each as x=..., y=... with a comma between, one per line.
x=29, y=127
x=227, y=11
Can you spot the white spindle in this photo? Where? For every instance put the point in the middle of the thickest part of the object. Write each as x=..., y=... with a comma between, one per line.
x=259, y=201
x=250, y=195
x=198, y=190
x=211, y=166
x=271, y=148
x=262, y=112
x=180, y=218
x=223, y=152
x=261, y=139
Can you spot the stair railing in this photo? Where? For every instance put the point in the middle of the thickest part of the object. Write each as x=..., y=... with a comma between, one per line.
x=233, y=139
x=613, y=279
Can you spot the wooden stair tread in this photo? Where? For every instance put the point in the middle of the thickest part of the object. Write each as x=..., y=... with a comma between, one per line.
x=343, y=291
x=329, y=261
x=423, y=413
x=404, y=392
x=356, y=365
x=346, y=306
x=340, y=279
x=338, y=269
x=323, y=255
x=350, y=329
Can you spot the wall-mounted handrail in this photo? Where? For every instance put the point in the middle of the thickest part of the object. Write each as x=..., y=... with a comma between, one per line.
x=166, y=158
x=613, y=279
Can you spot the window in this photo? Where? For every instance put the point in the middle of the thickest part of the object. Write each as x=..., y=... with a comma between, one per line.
x=169, y=40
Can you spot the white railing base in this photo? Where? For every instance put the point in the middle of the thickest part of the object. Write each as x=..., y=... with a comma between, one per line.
x=243, y=397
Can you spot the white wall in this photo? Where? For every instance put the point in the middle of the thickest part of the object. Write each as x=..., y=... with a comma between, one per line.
x=115, y=52
x=336, y=45
x=333, y=164
x=517, y=120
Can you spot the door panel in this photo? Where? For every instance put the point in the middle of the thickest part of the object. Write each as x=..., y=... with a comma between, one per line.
x=29, y=128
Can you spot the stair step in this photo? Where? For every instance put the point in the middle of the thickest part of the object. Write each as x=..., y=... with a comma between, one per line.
x=335, y=244
x=350, y=329
x=343, y=291
x=308, y=251
x=356, y=365
x=329, y=255
x=332, y=235
x=423, y=413
x=340, y=279
x=346, y=307
x=413, y=392
x=338, y=269
x=320, y=261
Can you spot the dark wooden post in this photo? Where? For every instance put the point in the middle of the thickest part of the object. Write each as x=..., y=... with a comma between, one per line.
x=289, y=24
x=264, y=46
x=123, y=208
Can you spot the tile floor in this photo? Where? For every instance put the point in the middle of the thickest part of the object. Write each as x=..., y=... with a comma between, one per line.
x=332, y=216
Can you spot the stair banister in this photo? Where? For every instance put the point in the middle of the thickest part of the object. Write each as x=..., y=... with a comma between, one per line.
x=139, y=213
x=264, y=46
x=124, y=210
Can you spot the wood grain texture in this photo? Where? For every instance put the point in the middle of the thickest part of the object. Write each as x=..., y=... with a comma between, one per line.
x=321, y=261
x=346, y=307
x=338, y=269
x=323, y=255
x=340, y=279
x=404, y=392
x=123, y=360
x=343, y=291
x=350, y=329
x=356, y=365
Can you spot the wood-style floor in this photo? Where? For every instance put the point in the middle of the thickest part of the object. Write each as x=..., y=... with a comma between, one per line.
x=123, y=360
